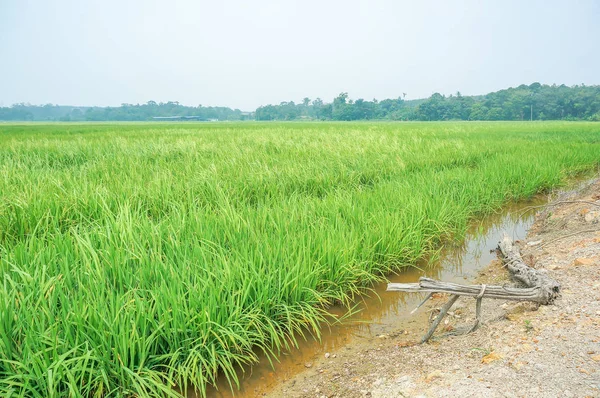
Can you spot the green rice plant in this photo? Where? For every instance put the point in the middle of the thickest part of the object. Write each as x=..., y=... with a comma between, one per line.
x=143, y=259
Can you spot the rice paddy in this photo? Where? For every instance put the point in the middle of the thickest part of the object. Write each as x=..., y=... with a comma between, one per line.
x=143, y=259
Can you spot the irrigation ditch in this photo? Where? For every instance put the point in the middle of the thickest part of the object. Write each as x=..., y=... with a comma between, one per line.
x=385, y=314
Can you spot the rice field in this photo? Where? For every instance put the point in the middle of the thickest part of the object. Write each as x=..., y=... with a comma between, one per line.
x=144, y=259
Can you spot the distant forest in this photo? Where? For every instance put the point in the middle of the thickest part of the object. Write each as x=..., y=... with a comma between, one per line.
x=125, y=112
x=534, y=102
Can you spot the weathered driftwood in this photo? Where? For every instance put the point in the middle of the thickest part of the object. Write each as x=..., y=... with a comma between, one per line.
x=495, y=292
x=443, y=311
x=539, y=288
x=548, y=288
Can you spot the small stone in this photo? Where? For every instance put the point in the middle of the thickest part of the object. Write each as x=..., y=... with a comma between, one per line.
x=327, y=355
x=436, y=374
x=583, y=261
x=308, y=365
x=526, y=347
x=403, y=379
x=534, y=243
x=491, y=357
x=592, y=216
x=517, y=365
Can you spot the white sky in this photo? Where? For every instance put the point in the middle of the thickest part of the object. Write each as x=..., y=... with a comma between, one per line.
x=244, y=54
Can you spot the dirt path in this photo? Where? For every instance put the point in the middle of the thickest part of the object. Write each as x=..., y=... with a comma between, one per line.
x=521, y=351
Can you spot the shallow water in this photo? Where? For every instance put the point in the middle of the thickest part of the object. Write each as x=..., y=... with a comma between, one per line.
x=389, y=312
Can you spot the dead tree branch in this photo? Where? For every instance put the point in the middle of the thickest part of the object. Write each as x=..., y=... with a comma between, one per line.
x=539, y=287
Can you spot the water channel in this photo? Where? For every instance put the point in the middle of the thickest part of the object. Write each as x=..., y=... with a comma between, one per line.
x=388, y=313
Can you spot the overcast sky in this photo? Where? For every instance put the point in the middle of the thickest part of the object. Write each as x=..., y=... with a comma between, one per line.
x=247, y=53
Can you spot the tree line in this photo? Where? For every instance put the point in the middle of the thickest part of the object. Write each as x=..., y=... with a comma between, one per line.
x=525, y=102
x=125, y=112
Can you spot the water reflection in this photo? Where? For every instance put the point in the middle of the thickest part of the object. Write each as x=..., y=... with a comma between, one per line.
x=389, y=312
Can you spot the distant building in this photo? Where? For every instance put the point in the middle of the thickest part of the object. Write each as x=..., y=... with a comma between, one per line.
x=183, y=118
x=247, y=116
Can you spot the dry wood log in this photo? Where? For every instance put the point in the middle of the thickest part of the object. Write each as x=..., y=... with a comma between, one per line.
x=549, y=289
x=539, y=287
x=496, y=292
x=443, y=311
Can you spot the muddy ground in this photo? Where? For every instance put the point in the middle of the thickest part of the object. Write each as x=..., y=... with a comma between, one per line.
x=521, y=351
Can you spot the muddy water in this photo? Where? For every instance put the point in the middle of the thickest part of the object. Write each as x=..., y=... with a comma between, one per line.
x=388, y=313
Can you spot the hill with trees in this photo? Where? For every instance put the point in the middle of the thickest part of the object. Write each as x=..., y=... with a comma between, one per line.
x=533, y=102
